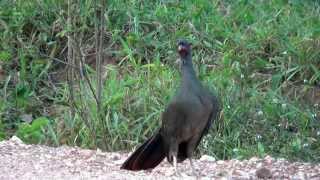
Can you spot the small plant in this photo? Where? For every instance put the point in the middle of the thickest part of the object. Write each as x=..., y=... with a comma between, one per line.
x=2, y=131
x=34, y=132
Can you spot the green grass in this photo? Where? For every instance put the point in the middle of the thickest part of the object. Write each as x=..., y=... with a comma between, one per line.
x=261, y=57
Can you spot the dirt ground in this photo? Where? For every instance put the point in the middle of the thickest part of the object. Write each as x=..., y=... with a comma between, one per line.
x=21, y=161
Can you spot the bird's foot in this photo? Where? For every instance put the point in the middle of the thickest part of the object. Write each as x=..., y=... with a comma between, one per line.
x=177, y=173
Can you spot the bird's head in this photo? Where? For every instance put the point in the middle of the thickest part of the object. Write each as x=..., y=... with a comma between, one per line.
x=184, y=48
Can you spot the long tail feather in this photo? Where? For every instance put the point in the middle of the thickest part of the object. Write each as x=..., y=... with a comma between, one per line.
x=147, y=156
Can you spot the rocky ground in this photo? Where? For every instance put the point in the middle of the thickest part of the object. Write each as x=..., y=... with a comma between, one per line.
x=21, y=161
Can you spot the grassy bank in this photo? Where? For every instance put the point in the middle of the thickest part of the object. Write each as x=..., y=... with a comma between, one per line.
x=261, y=57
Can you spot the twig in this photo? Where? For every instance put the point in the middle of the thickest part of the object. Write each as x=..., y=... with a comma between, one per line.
x=59, y=60
x=100, y=28
x=70, y=71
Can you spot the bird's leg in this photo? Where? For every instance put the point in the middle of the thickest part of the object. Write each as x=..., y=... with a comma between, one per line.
x=173, y=154
x=175, y=166
x=194, y=172
x=191, y=147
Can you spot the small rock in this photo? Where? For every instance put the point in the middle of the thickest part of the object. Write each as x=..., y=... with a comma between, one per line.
x=268, y=159
x=99, y=151
x=242, y=174
x=259, y=165
x=224, y=173
x=300, y=175
x=253, y=159
x=119, y=162
x=220, y=162
x=115, y=157
x=207, y=158
x=264, y=173
x=16, y=140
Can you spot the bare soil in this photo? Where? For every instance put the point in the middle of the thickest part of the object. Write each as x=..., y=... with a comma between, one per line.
x=22, y=161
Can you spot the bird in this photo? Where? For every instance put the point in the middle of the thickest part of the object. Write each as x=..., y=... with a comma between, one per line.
x=184, y=122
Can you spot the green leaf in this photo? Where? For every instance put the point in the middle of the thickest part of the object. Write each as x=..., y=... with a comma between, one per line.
x=296, y=144
x=275, y=81
x=5, y=56
x=261, y=150
x=32, y=133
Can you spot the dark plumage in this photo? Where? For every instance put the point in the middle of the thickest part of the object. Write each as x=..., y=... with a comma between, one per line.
x=185, y=121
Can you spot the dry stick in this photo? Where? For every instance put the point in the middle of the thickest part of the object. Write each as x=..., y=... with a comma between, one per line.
x=96, y=28
x=76, y=108
x=71, y=76
x=58, y=60
x=82, y=62
x=70, y=71
x=74, y=67
x=71, y=67
x=99, y=56
x=103, y=29
x=84, y=106
x=98, y=60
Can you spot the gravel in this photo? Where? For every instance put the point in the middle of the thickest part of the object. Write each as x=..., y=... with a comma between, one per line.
x=22, y=161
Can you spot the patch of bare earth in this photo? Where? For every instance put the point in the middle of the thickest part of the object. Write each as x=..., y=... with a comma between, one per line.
x=21, y=161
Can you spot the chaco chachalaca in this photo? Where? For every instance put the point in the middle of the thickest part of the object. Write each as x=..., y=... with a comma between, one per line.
x=185, y=121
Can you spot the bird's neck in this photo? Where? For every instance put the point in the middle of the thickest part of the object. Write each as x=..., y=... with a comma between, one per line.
x=188, y=73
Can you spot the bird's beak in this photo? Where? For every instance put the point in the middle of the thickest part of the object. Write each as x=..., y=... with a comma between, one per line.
x=181, y=48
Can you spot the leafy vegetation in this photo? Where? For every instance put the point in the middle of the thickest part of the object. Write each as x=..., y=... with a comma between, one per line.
x=32, y=133
x=261, y=57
